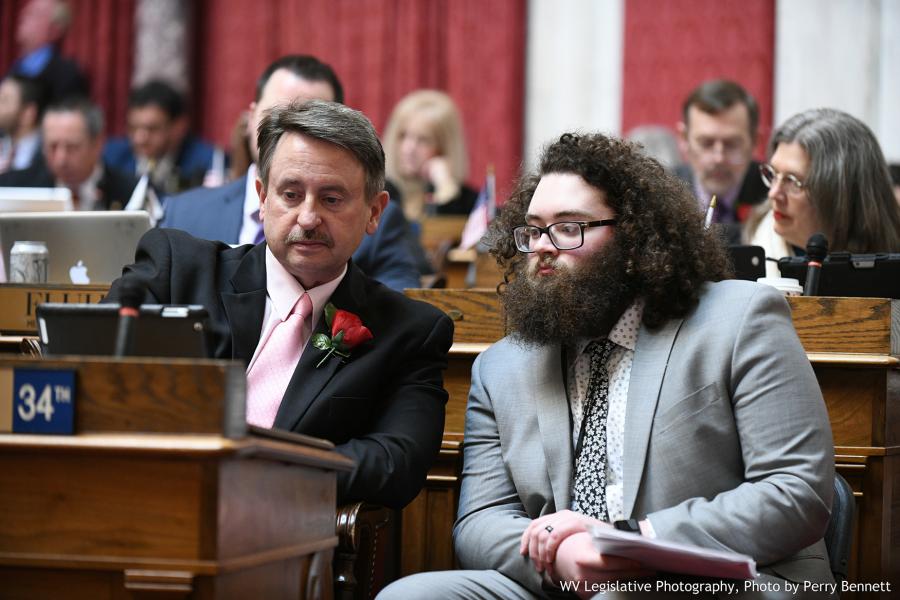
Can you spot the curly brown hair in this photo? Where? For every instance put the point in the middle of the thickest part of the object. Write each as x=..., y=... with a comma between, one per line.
x=669, y=254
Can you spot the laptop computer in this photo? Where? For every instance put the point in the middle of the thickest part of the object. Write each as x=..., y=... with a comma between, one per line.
x=83, y=247
x=24, y=199
x=90, y=330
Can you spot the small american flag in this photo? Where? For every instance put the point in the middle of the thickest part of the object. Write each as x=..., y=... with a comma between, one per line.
x=482, y=214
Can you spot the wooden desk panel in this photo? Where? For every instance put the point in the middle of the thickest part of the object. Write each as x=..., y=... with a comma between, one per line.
x=198, y=517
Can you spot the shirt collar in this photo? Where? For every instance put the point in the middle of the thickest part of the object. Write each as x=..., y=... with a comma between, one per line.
x=284, y=290
x=724, y=202
x=87, y=192
x=251, y=198
x=624, y=333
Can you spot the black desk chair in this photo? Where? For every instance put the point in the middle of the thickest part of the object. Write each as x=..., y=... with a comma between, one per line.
x=839, y=535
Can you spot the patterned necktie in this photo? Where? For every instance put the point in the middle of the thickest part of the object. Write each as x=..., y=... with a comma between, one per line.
x=590, y=464
x=269, y=377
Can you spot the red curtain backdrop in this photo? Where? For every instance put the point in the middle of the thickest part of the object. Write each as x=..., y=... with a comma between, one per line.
x=670, y=47
x=100, y=39
x=381, y=50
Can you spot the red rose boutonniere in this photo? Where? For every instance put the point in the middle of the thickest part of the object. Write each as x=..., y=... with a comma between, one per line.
x=347, y=332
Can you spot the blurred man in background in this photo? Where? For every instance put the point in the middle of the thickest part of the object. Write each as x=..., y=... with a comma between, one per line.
x=72, y=140
x=21, y=105
x=159, y=141
x=717, y=136
x=39, y=32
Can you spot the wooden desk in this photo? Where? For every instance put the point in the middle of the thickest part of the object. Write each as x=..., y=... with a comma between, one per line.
x=854, y=347
x=471, y=269
x=162, y=493
x=441, y=229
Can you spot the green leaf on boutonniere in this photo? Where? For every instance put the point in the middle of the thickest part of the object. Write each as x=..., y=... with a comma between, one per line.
x=329, y=313
x=321, y=341
x=338, y=339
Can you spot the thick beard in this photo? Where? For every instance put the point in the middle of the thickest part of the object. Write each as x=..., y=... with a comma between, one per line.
x=584, y=302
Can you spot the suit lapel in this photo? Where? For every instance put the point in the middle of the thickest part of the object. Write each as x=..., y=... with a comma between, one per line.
x=651, y=357
x=308, y=381
x=246, y=305
x=549, y=393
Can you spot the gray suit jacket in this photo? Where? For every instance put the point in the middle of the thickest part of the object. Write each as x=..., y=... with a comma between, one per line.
x=727, y=440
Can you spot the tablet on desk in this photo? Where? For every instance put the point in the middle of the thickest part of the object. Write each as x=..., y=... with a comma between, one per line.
x=853, y=275
x=173, y=331
x=749, y=262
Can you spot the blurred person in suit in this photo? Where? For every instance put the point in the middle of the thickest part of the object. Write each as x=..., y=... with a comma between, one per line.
x=717, y=134
x=638, y=388
x=426, y=156
x=72, y=134
x=39, y=31
x=22, y=102
x=381, y=398
x=159, y=141
x=826, y=173
x=231, y=213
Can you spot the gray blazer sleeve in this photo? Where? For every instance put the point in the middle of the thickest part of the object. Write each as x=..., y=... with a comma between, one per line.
x=784, y=439
x=491, y=517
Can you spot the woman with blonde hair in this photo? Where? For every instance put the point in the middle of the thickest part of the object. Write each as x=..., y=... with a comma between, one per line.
x=826, y=173
x=426, y=156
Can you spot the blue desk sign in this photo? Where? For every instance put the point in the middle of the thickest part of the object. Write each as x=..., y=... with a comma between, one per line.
x=43, y=401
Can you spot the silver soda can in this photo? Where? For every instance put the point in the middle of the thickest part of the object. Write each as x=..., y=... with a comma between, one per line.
x=28, y=262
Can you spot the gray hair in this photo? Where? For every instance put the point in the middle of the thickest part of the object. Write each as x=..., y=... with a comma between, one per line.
x=329, y=122
x=90, y=112
x=848, y=181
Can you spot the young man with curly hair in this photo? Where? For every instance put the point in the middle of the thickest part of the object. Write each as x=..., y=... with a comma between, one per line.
x=637, y=388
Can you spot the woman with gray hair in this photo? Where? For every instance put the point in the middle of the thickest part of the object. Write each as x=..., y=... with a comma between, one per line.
x=826, y=173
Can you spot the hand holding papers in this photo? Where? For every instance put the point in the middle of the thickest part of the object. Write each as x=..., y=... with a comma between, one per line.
x=672, y=557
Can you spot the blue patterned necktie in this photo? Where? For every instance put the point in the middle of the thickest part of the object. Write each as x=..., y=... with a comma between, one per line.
x=590, y=463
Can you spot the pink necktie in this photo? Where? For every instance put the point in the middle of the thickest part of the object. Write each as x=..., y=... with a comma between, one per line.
x=269, y=377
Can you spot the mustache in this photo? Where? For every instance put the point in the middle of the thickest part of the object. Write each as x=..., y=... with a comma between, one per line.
x=544, y=261
x=303, y=235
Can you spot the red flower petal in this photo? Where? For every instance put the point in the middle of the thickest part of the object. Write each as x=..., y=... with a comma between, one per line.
x=355, y=332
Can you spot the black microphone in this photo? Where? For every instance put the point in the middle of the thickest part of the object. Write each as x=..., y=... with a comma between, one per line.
x=816, y=251
x=131, y=293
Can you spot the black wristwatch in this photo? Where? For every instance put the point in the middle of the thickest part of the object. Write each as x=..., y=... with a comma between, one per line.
x=631, y=525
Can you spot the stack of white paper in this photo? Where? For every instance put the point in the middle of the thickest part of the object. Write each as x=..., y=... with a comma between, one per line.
x=672, y=557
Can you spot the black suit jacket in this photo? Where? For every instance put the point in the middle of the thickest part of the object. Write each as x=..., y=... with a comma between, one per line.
x=383, y=407
x=114, y=187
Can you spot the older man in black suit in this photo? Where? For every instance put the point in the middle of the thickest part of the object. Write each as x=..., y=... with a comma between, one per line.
x=380, y=396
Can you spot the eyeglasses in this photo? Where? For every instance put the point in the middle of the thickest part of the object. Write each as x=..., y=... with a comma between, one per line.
x=733, y=150
x=565, y=235
x=789, y=183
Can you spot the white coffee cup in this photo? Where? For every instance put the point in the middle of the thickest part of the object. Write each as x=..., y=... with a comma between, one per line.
x=786, y=285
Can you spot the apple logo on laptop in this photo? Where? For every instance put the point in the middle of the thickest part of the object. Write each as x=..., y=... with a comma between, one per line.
x=78, y=274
